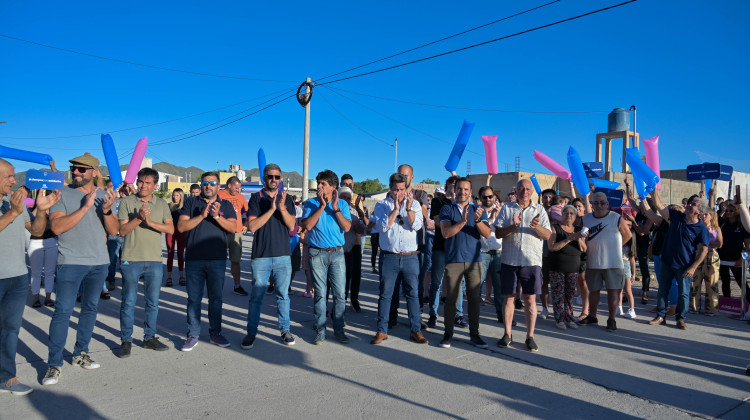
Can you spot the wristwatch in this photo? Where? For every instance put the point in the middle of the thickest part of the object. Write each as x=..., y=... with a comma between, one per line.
x=337, y=211
x=217, y=216
x=107, y=213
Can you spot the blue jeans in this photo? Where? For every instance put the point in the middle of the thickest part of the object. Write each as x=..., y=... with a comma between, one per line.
x=390, y=267
x=114, y=244
x=683, y=290
x=71, y=278
x=491, y=263
x=12, y=302
x=673, y=291
x=152, y=273
x=436, y=283
x=328, y=267
x=263, y=268
x=210, y=273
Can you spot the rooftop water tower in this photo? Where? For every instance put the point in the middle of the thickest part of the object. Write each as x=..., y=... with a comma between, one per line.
x=618, y=127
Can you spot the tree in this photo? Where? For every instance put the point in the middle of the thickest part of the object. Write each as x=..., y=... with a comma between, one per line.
x=430, y=181
x=370, y=186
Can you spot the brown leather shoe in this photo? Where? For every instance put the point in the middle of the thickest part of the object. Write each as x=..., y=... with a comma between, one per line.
x=379, y=337
x=418, y=337
x=681, y=324
x=658, y=321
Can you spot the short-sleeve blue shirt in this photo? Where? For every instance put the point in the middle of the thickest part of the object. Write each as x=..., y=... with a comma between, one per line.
x=464, y=246
x=682, y=241
x=327, y=233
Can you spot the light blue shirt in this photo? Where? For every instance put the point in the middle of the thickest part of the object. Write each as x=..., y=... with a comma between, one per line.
x=401, y=236
x=327, y=233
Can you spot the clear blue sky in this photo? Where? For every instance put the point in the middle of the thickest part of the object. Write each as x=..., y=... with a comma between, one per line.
x=683, y=64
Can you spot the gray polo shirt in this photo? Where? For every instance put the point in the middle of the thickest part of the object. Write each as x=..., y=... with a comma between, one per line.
x=143, y=243
x=13, y=243
x=86, y=242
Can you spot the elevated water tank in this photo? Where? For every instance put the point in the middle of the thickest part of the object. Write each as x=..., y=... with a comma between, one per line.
x=618, y=120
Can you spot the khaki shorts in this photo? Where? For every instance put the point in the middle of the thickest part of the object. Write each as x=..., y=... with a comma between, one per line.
x=610, y=278
x=235, y=246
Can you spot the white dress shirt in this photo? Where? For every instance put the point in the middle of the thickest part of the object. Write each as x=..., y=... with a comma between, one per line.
x=401, y=236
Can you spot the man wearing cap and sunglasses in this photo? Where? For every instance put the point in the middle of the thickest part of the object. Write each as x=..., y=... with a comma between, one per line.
x=82, y=219
x=207, y=219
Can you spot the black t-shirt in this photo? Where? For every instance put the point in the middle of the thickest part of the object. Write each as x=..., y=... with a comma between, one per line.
x=642, y=241
x=660, y=234
x=438, y=243
x=734, y=236
x=567, y=259
x=208, y=240
x=272, y=239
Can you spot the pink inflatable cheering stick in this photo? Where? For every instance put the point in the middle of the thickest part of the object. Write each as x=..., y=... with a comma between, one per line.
x=553, y=166
x=136, y=160
x=652, y=156
x=490, y=153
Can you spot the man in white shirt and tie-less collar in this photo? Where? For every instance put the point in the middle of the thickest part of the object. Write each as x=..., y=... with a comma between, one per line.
x=398, y=218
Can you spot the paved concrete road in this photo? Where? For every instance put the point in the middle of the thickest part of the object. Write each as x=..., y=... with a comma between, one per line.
x=640, y=371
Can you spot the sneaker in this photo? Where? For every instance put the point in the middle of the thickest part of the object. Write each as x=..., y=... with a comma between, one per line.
x=154, y=344
x=84, y=361
x=611, y=325
x=477, y=341
x=15, y=387
x=446, y=341
x=544, y=314
x=504, y=342
x=219, y=340
x=432, y=321
x=125, y=349
x=531, y=345
x=561, y=325
x=320, y=339
x=571, y=325
x=238, y=290
x=110, y=285
x=52, y=376
x=619, y=311
x=248, y=342
x=460, y=322
x=287, y=338
x=631, y=314
x=341, y=337
x=190, y=343
x=270, y=289
x=589, y=320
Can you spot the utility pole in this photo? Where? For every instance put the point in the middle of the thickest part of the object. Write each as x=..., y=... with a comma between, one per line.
x=395, y=158
x=306, y=147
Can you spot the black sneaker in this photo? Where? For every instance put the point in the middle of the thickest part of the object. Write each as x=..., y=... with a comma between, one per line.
x=459, y=322
x=531, y=345
x=477, y=341
x=432, y=321
x=155, y=344
x=238, y=290
x=125, y=349
x=504, y=342
x=270, y=289
x=611, y=325
x=519, y=304
x=248, y=342
x=589, y=320
x=446, y=341
x=287, y=338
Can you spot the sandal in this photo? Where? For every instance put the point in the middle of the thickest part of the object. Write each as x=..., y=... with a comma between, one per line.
x=105, y=295
x=49, y=302
x=36, y=304
x=582, y=316
x=169, y=283
x=182, y=280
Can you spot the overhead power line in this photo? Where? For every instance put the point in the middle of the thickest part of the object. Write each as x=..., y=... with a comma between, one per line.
x=341, y=114
x=117, y=60
x=459, y=107
x=479, y=44
x=440, y=40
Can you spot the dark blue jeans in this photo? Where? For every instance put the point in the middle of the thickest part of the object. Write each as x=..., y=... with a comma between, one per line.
x=13, y=292
x=152, y=273
x=666, y=274
x=71, y=278
x=210, y=273
x=114, y=244
x=391, y=266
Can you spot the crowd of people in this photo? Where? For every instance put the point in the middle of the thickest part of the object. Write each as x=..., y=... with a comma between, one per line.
x=456, y=242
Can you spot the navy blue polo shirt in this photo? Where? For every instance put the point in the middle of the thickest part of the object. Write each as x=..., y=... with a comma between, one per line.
x=272, y=239
x=682, y=241
x=208, y=240
x=464, y=246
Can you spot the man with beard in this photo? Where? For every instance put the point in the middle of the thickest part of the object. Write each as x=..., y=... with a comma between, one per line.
x=438, y=251
x=82, y=219
x=270, y=217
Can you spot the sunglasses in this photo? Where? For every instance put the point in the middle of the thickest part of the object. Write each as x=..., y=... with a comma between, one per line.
x=400, y=220
x=488, y=197
x=80, y=169
x=211, y=183
x=273, y=177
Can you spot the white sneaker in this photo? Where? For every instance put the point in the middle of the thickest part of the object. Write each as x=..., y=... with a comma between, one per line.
x=544, y=314
x=572, y=325
x=561, y=325
x=84, y=361
x=52, y=376
x=619, y=311
x=631, y=313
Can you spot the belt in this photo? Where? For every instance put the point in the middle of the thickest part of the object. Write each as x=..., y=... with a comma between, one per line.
x=335, y=248
x=492, y=252
x=401, y=254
